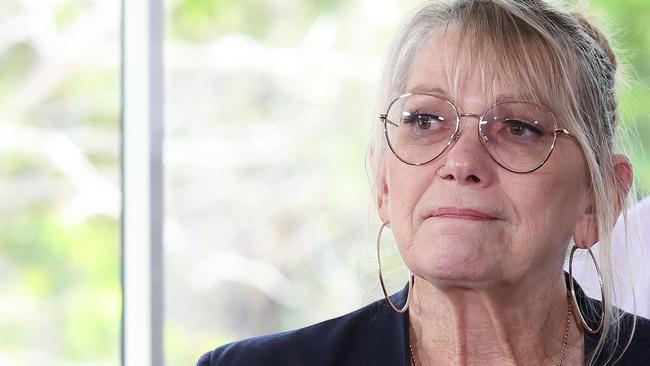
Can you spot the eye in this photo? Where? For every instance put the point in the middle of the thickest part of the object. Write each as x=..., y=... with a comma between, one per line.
x=520, y=128
x=423, y=121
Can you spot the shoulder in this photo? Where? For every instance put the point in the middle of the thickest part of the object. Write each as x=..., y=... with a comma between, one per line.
x=638, y=351
x=630, y=345
x=355, y=338
x=630, y=348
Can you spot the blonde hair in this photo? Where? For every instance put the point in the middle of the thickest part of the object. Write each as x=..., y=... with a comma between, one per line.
x=554, y=57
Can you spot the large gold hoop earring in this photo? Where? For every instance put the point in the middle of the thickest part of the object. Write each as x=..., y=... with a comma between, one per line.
x=381, y=278
x=578, y=312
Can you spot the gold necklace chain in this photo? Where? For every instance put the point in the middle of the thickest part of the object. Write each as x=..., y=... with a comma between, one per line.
x=565, y=340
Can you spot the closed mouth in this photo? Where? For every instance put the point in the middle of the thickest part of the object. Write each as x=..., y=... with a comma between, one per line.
x=461, y=214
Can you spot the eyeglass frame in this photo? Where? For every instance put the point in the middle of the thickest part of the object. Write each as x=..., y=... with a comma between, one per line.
x=383, y=117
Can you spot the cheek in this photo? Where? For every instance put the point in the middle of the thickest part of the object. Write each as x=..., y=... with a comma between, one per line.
x=406, y=185
x=549, y=211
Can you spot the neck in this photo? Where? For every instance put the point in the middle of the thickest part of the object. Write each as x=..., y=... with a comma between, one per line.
x=497, y=325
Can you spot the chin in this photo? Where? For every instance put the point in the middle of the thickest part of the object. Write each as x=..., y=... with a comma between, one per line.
x=463, y=263
x=459, y=275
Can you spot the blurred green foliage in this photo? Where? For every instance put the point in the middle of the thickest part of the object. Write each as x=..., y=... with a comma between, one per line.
x=205, y=20
x=59, y=117
x=16, y=62
x=627, y=22
x=68, y=273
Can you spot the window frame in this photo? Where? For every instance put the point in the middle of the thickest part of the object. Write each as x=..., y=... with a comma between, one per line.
x=141, y=154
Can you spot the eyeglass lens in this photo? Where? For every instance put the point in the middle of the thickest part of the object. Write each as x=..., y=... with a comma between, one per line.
x=518, y=135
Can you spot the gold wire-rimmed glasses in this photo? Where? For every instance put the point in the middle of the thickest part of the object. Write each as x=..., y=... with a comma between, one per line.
x=519, y=135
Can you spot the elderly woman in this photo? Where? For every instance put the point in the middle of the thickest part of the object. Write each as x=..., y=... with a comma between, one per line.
x=493, y=160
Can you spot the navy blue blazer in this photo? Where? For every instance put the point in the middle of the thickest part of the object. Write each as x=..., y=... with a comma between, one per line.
x=376, y=335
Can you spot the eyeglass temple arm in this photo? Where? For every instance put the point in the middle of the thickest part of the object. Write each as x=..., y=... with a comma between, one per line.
x=564, y=131
x=383, y=118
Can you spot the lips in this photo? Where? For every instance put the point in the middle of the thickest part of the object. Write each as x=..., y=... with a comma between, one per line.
x=462, y=214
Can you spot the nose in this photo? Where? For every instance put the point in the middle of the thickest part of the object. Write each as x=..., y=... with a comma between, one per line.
x=466, y=161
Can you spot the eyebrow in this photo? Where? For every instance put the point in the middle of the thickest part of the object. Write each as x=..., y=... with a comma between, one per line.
x=443, y=93
x=427, y=89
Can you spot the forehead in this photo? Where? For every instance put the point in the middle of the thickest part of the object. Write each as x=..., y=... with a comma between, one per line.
x=468, y=68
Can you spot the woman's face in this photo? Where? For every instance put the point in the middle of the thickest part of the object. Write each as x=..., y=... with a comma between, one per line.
x=462, y=218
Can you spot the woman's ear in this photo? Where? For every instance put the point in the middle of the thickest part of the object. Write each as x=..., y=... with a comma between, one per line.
x=383, y=204
x=625, y=177
x=586, y=230
x=585, y=233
